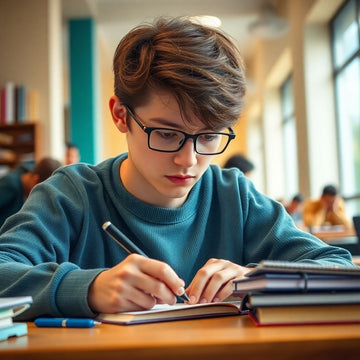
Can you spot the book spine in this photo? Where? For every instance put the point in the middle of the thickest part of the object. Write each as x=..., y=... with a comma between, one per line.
x=33, y=105
x=6, y=322
x=10, y=103
x=3, y=107
x=21, y=104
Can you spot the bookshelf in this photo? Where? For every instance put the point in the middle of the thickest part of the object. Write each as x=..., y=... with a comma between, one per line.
x=17, y=143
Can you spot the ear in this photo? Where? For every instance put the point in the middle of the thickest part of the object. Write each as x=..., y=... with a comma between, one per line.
x=118, y=113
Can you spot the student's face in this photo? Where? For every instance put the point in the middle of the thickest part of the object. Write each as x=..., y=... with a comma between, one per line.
x=329, y=201
x=159, y=178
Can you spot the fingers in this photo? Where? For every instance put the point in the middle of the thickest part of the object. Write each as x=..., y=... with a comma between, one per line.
x=161, y=278
x=213, y=282
x=134, y=284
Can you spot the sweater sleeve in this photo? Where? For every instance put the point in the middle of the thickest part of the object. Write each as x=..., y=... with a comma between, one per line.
x=35, y=250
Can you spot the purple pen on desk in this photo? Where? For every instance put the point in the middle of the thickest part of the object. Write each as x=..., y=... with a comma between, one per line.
x=128, y=245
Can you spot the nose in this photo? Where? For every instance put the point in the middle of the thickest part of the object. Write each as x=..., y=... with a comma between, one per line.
x=186, y=156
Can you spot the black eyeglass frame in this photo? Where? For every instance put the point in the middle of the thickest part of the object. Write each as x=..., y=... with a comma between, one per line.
x=148, y=130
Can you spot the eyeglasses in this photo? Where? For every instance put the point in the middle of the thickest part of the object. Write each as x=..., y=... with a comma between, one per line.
x=171, y=140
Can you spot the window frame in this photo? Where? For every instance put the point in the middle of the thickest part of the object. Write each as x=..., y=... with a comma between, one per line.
x=338, y=70
x=291, y=169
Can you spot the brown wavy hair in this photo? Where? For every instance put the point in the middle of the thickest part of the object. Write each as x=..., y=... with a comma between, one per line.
x=199, y=65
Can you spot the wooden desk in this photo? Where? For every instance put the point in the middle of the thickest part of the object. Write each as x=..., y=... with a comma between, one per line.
x=233, y=337
x=333, y=236
x=346, y=239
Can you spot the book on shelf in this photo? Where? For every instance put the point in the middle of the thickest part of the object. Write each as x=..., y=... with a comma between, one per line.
x=283, y=293
x=6, y=139
x=2, y=106
x=32, y=107
x=7, y=155
x=179, y=311
x=18, y=104
x=9, y=103
x=10, y=307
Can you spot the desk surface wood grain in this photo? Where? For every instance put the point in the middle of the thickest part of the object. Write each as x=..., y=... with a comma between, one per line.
x=191, y=339
x=329, y=235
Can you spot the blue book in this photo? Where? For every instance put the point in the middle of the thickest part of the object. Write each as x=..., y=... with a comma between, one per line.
x=17, y=329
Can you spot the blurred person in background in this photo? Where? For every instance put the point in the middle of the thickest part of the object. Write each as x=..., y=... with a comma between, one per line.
x=72, y=154
x=328, y=210
x=241, y=162
x=15, y=187
x=294, y=208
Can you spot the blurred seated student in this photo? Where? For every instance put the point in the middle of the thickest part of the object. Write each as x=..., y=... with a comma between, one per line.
x=329, y=209
x=15, y=187
x=294, y=208
x=241, y=162
x=72, y=154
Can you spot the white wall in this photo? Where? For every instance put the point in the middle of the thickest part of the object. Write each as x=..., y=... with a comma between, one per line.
x=30, y=46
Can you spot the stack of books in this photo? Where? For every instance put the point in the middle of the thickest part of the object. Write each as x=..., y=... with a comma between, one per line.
x=287, y=293
x=10, y=307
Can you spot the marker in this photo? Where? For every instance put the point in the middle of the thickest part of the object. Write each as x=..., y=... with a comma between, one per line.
x=128, y=245
x=66, y=322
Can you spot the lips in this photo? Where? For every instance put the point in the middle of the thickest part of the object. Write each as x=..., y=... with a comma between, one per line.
x=180, y=179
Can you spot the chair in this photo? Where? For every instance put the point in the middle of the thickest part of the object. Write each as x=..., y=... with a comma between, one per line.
x=352, y=243
x=356, y=221
x=355, y=248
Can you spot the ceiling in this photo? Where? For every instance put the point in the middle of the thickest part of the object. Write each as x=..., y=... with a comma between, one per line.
x=114, y=18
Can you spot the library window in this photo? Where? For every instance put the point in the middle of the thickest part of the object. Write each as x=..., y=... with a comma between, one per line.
x=289, y=139
x=345, y=29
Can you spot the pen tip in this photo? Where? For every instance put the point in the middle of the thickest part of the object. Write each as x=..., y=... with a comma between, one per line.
x=185, y=297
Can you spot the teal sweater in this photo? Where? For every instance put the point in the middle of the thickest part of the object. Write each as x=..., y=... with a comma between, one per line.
x=55, y=246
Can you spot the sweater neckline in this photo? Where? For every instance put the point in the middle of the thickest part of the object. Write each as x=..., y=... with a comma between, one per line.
x=148, y=212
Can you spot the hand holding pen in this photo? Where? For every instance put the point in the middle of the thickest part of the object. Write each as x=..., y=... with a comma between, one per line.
x=135, y=283
x=129, y=246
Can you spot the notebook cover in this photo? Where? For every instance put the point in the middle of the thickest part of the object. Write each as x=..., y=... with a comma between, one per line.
x=17, y=329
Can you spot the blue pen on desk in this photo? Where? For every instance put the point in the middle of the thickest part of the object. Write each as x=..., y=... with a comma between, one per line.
x=128, y=245
x=66, y=322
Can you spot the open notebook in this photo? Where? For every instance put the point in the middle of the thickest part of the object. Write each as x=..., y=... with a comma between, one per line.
x=179, y=311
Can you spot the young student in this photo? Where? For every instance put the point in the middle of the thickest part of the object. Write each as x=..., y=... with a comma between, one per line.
x=327, y=210
x=294, y=208
x=241, y=162
x=179, y=89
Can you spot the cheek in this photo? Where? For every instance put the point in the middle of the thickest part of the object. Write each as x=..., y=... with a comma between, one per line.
x=204, y=161
x=148, y=160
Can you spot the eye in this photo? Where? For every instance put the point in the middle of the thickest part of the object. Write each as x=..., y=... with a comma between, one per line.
x=166, y=134
x=208, y=137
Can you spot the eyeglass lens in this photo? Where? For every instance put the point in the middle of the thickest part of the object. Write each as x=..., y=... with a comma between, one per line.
x=172, y=140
